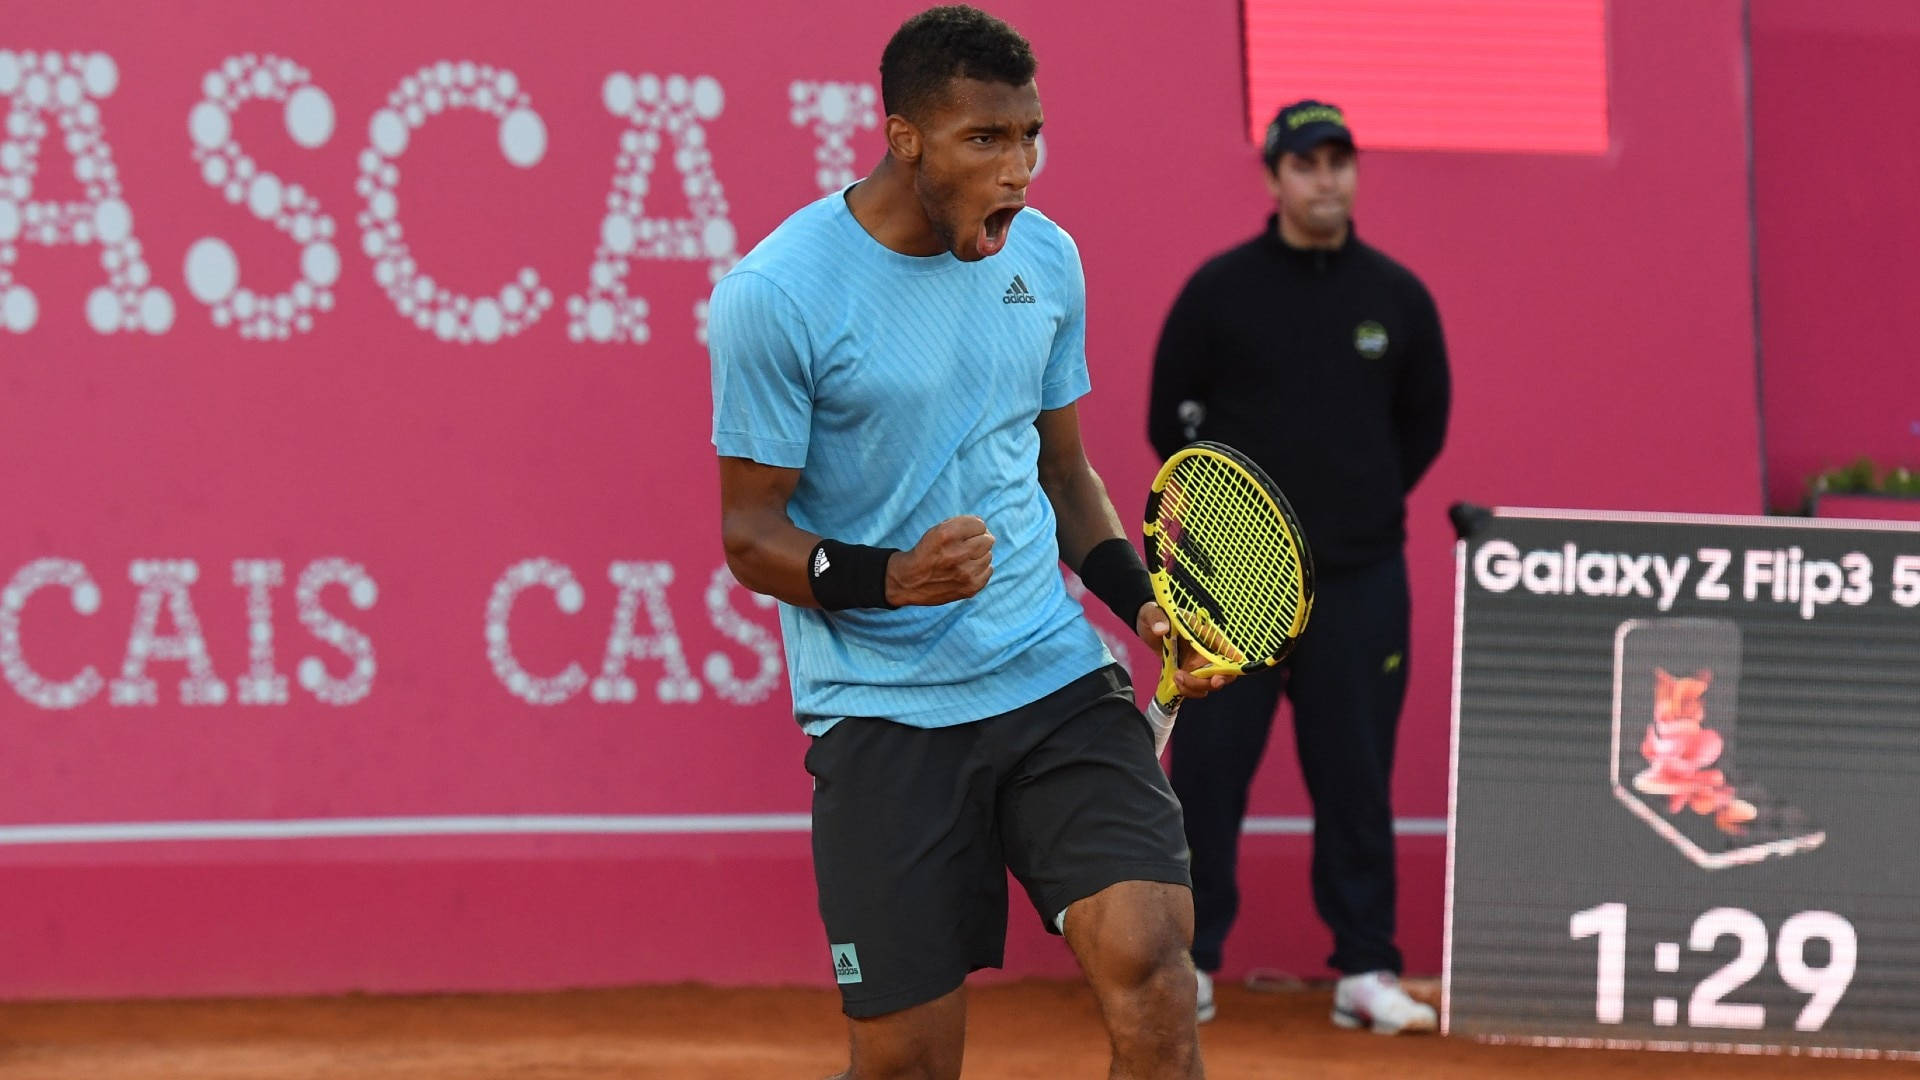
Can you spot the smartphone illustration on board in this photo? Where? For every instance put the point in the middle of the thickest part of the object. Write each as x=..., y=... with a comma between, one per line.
x=1676, y=722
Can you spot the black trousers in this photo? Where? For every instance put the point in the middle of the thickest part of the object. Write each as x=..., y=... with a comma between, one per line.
x=1346, y=680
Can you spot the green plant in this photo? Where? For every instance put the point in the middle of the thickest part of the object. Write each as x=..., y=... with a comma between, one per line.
x=1864, y=477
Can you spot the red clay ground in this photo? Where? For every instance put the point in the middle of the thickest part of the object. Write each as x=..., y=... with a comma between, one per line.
x=1017, y=1031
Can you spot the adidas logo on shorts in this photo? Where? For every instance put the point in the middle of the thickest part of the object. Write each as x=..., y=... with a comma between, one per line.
x=846, y=964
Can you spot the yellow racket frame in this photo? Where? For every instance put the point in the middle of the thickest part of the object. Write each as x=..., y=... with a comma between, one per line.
x=1223, y=656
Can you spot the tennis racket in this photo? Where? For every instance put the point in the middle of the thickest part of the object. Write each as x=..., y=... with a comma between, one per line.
x=1230, y=568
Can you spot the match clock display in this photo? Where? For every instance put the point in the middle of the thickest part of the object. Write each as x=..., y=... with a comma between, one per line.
x=1685, y=780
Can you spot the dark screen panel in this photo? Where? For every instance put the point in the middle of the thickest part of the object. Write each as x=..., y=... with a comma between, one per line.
x=1688, y=763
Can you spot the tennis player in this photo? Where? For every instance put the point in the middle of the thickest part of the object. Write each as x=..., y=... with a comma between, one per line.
x=895, y=371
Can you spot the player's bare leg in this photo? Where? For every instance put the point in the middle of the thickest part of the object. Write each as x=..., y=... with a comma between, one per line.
x=1131, y=940
x=924, y=1042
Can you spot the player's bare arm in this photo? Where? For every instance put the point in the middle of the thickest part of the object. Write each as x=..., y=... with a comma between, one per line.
x=1085, y=518
x=766, y=551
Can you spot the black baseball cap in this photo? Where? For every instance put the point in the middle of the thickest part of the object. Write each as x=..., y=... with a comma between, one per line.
x=1303, y=125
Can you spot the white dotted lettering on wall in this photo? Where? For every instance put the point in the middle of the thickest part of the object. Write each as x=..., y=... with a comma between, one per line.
x=659, y=112
x=34, y=688
x=649, y=580
x=261, y=685
x=432, y=307
x=835, y=111
x=718, y=667
x=66, y=87
x=212, y=269
x=362, y=592
x=166, y=581
x=567, y=596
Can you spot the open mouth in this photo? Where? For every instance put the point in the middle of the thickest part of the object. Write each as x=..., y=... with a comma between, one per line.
x=993, y=231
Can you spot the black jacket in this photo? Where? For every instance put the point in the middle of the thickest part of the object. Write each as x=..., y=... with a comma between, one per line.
x=1326, y=367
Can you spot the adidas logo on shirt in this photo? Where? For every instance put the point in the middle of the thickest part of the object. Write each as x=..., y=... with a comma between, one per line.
x=1017, y=293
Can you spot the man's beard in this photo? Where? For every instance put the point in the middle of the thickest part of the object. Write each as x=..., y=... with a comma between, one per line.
x=938, y=197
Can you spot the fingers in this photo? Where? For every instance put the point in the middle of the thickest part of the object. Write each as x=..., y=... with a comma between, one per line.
x=964, y=542
x=973, y=547
x=1191, y=686
x=975, y=571
x=1151, y=624
x=1196, y=686
x=959, y=530
x=968, y=543
x=952, y=561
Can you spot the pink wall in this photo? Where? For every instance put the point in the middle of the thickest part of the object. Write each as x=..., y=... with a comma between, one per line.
x=1833, y=104
x=654, y=839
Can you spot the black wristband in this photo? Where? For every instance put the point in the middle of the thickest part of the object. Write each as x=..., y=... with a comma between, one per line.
x=1113, y=572
x=848, y=575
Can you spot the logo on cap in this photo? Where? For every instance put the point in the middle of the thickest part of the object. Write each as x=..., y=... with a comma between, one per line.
x=1312, y=113
x=1303, y=125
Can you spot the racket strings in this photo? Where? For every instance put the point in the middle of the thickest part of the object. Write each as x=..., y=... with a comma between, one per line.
x=1232, y=563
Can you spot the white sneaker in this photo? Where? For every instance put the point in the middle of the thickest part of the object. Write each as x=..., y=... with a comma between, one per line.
x=1203, y=1002
x=1376, y=1000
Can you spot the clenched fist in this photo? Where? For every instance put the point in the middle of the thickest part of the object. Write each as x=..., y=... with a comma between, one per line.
x=1155, y=629
x=951, y=562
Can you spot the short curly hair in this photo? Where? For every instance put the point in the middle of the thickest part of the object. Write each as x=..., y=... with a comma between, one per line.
x=944, y=43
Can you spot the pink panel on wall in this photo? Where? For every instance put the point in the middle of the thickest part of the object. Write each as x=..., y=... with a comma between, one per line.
x=1835, y=171
x=1508, y=75
x=514, y=503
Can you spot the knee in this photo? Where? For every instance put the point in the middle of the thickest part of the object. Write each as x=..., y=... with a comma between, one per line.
x=1148, y=969
x=1163, y=978
x=1132, y=941
x=1148, y=1004
x=1133, y=932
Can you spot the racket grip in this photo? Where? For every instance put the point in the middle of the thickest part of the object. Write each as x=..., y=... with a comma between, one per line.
x=1161, y=717
x=1165, y=706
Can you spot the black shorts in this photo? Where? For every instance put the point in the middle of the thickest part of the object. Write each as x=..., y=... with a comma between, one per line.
x=914, y=831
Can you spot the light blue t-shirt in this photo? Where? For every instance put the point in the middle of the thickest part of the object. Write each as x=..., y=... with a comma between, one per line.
x=905, y=391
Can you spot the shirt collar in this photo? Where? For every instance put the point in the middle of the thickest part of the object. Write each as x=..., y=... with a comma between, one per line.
x=1318, y=258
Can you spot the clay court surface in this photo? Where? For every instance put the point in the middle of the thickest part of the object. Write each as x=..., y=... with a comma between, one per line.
x=1018, y=1031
